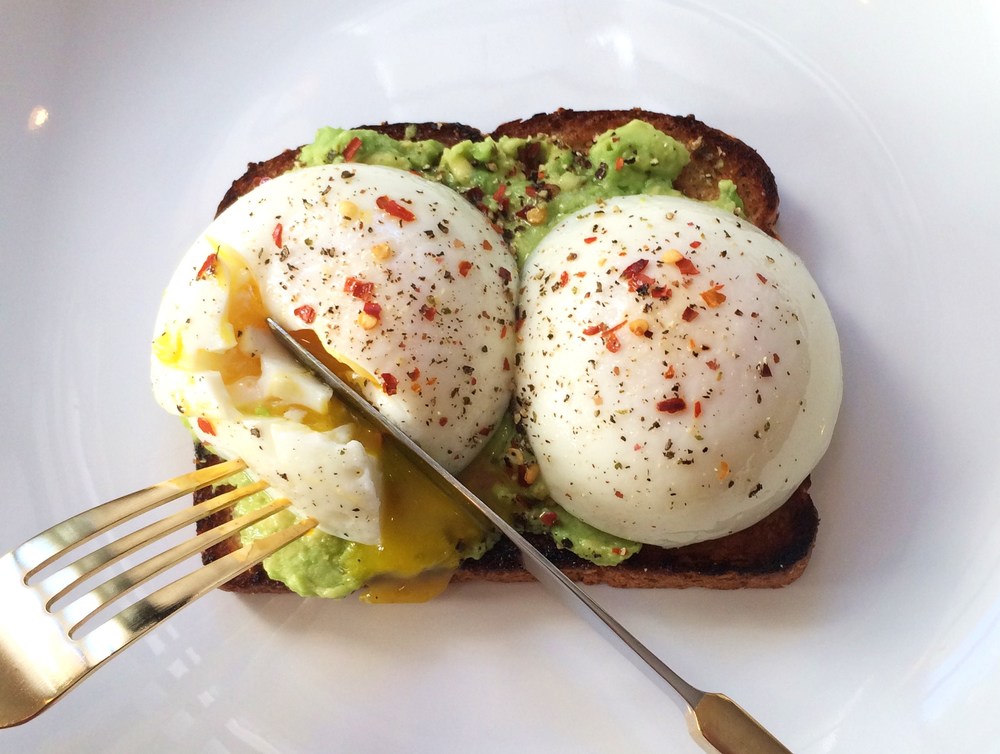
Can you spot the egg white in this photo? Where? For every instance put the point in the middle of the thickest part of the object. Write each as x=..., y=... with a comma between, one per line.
x=400, y=279
x=678, y=372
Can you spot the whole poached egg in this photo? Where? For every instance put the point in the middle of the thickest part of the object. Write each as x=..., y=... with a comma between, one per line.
x=394, y=280
x=679, y=371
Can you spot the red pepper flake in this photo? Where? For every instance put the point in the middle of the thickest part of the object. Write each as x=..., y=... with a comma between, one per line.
x=428, y=312
x=361, y=289
x=694, y=244
x=689, y=314
x=564, y=278
x=686, y=266
x=463, y=267
x=713, y=297
x=590, y=239
x=713, y=364
x=611, y=341
x=637, y=447
x=395, y=209
x=485, y=431
x=372, y=309
x=389, y=383
x=503, y=332
x=669, y=374
x=634, y=269
x=205, y=426
x=671, y=405
x=352, y=149
x=488, y=246
x=306, y=313
x=531, y=191
x=208, y=268
x=697, y=409
x=661, y=292
x=504, y=274
x=776, y=358
x=506, y=364
x=548, y=518
x=619, y=163
x=499, y=193
x=761, y=278
x=415, y=374
x=619, y=494
x=443, y=420
x=276, y=234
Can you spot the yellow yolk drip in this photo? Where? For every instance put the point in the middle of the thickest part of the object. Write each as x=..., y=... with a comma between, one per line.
x=425, y=534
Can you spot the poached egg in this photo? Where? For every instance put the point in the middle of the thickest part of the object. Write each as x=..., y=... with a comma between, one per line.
x=679, y=371
x=393, y=280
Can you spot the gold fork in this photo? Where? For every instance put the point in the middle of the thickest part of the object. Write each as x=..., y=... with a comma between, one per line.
x=42, y=652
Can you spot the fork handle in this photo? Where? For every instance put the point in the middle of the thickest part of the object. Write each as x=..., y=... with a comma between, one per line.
x=731, y=729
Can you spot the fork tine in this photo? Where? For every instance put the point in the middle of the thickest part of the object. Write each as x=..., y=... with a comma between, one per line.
x=63, y=581
x=44, y=548
x=82, y=609
x=136, y=620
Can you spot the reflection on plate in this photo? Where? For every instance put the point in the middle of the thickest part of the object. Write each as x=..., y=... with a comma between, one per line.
x=125, y=127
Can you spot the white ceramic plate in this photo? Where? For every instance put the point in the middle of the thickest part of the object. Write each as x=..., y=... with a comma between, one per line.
x=880, y=122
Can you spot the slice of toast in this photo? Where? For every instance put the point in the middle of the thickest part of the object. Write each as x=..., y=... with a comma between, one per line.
x=771, y=553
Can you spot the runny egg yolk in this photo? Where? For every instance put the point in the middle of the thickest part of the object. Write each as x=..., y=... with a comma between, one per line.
x=424, y=533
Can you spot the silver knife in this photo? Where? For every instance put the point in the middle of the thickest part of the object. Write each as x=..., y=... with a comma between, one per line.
x=722, y=722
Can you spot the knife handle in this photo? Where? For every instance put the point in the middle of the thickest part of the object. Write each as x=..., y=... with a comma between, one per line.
x=731, y=730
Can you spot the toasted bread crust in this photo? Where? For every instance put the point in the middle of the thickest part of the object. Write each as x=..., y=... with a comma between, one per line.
x=714, y=155
x=772, y=553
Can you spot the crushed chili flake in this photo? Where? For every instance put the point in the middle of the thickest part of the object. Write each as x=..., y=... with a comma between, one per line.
x=564, y=278
x=463, y=267
x=548, y=518
x=352, y=149
x=428, y=312
x=619, y=550
x=205, y=426
x=499, y=193
x=488, y=246
x=619, y=163
x=695, y=244
x=669, y=374
x=443, y=420
x=594, y=329
x=503, y=332
x=612, y=343
x=506, y=364
x=634, y=269
x=276, y=235
x=761, y=278
x=619, y=494
x=671, y=405
x=686, y=266
x=714, y=296
x=590, y=239
x=504, y=274
x=697, y=409
x=372, y=309
x=712, y=364
x=415, y=374
x=306, y=313
x=689, y=314
x=361, y=289
x=208, y=268
x=389, y=383
x=723, y=470
x=395, y=209
x=661, y=292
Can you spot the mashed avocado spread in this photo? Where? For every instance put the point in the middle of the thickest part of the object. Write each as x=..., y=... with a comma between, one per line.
x=525, y=186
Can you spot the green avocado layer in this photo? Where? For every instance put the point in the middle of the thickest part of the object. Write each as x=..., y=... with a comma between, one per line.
x=525, y=186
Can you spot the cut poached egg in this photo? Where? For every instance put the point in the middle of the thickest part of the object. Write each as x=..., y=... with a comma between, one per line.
x=392, y=279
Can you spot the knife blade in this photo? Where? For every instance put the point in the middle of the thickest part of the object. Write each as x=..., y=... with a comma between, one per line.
x=722, y=722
